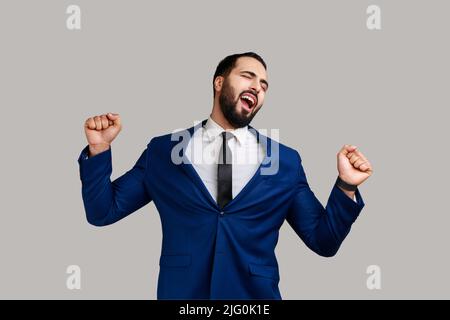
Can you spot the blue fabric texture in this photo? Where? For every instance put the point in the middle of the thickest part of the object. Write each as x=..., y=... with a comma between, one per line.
x=213, y=253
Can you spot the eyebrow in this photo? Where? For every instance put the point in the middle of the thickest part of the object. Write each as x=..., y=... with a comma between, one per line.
x=254, y=75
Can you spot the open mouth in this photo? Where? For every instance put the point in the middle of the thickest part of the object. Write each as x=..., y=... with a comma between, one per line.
x=248, y=100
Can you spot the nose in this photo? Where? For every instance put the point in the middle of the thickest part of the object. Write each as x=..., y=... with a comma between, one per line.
x=255, y=85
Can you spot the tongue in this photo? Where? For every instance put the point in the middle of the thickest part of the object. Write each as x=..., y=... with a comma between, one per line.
x=245, y=102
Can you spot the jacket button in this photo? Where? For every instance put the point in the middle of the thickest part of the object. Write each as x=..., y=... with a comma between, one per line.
x=222, y=213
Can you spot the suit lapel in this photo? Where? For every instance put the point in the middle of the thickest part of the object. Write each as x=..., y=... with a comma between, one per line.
x=257, y=177
x=189, y=169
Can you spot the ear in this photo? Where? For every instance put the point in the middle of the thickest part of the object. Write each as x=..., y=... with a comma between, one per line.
x=218, y=82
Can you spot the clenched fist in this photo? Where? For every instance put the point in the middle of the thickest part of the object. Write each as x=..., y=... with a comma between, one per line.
x=101, y=131
x=353, y=166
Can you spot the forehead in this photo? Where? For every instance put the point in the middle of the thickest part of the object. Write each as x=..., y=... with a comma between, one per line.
x=250, y=64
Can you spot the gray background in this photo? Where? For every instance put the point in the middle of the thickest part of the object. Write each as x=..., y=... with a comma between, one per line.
x=332, y=82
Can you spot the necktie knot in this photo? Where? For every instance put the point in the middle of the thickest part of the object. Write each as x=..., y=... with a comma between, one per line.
x=226, y=135
x=225, y=154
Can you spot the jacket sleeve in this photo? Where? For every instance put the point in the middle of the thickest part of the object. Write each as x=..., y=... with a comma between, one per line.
x=322, y=229
x=106, y=202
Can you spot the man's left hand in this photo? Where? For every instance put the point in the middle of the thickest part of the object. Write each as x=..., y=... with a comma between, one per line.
x=353, y=166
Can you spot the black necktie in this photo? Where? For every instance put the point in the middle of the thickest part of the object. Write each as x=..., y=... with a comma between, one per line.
x=224, y=172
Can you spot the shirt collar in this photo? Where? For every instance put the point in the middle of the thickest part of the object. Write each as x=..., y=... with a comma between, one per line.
x=213, y=130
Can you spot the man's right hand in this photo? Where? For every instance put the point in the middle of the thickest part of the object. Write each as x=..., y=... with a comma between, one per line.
x=101, y=131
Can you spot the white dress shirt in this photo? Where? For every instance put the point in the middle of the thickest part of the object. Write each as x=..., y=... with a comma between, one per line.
x=203, y=152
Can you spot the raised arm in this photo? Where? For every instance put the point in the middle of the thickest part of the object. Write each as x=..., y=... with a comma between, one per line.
x=324, y=229
x=106, y=202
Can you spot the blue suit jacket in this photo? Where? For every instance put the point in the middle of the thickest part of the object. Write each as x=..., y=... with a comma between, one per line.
x=208, y=253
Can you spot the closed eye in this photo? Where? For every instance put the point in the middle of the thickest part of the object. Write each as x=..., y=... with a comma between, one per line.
x=251, y=75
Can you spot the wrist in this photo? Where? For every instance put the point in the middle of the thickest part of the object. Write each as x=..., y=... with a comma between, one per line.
x=98, y=148
x=345, y=185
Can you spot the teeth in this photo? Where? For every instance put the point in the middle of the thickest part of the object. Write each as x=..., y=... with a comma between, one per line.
x=249, y=99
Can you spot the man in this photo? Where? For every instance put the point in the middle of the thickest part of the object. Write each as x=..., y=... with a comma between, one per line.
x=220, y=219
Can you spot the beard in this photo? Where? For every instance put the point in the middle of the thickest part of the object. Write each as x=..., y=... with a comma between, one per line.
x=229, y=107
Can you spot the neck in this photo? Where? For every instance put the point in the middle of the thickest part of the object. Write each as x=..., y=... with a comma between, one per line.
x=219, y=118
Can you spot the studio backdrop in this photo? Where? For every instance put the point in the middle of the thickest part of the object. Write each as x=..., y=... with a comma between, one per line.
x=371, y=73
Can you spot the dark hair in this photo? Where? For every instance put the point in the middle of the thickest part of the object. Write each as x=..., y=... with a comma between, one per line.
x=227, y=64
